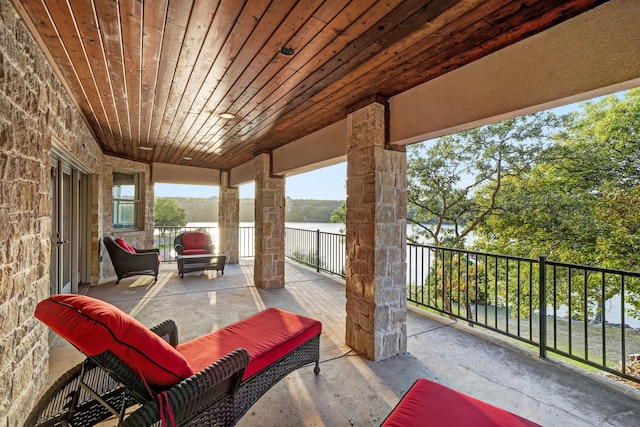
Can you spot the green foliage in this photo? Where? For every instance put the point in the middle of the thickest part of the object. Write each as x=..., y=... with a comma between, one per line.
x=339, y=215
x=567, y=187
x=167, y=213
x=579, y=203
x=443, y=178
x=303, y=210
x=308, y=258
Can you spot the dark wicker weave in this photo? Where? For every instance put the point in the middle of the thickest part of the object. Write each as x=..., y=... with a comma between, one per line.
x=67, y=402
x=214, y=396
x=126, y=264
x=255, y=386
x=206, y=398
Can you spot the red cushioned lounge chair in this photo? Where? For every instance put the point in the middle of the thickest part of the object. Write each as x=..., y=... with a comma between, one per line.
x=208, y=381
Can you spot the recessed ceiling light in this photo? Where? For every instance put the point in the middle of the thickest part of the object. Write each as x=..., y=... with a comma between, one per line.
x=287, y=51
x=145, y=148
x=227, y=116
x=187, y=158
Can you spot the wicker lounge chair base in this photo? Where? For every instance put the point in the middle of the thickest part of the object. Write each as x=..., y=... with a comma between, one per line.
x=253, y=388
x=225, y=385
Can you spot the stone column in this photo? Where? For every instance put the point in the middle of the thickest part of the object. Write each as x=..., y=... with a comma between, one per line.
x=229, y=219
x=376, y=237
x=268, y=271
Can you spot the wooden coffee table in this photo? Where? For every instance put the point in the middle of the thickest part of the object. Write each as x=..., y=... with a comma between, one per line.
x=200, y=262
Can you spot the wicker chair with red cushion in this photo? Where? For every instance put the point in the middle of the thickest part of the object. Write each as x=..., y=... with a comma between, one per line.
x=193, y=243
x=209, y=381
x=129, y=261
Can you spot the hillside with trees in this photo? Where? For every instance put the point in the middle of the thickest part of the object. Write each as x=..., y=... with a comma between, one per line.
x=197, y=209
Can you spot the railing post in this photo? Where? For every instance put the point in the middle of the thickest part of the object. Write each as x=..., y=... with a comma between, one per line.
x=542, y=264
x=318, y=250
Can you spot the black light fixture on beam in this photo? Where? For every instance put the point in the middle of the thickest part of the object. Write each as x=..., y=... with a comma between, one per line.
x=287, y=51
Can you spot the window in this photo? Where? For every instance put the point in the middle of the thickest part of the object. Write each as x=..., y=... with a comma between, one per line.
x=126, y=199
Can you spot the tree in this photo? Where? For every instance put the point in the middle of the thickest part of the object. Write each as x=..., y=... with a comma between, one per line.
x=578, y=205
x=573, y=204
x=339, y=215
x=167, y=213
x=442, y=178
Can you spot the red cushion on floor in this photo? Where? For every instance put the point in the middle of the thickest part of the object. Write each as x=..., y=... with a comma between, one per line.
x=430, y=403
x=125, y=245
x=94, y=326
x=267, y=336
x=195, y=240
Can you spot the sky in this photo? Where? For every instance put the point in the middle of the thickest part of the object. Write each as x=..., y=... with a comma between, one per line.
x=328, y=183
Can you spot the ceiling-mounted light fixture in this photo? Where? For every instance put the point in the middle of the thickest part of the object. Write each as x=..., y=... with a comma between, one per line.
x=187, y=158
x=145, y=148
x=287, y=51
x=227, y=115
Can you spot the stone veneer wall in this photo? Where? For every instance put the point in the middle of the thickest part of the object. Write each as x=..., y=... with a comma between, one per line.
x=35, y=114
x=141, y=238
x=376, y=238
x=229, y=220
x=268, y=270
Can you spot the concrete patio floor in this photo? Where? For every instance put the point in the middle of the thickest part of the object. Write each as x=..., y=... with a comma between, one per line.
x=354, y=391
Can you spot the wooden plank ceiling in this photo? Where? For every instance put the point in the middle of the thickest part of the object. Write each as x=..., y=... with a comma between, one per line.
x=159, y=73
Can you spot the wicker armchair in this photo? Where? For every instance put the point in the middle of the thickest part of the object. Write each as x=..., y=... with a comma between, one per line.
x=193, y=243
x=129, y=261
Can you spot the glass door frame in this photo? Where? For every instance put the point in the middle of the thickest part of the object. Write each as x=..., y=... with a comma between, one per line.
x=70, y=226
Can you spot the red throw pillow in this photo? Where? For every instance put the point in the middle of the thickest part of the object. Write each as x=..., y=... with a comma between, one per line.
x=125, y=245
x=94, y=326
x=194, y=240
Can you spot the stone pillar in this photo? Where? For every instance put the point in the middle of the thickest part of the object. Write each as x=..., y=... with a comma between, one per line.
x=229, y=219
x=268, y=271
x=376, y=237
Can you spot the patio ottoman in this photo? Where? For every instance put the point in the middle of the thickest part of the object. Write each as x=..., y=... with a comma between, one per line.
x=431, y=404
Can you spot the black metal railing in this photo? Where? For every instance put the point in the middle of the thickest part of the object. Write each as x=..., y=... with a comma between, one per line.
x=317, y=249
x=557, y=307
x=164, y=237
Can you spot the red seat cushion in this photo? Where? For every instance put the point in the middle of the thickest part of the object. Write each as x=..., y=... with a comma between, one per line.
x=430, y=404
x=194, y=251
x=125, y=245
x=268, y=336
x=195, y=240
x=94, y=326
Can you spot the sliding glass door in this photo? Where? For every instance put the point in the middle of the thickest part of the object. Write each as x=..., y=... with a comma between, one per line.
x=68, y=227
